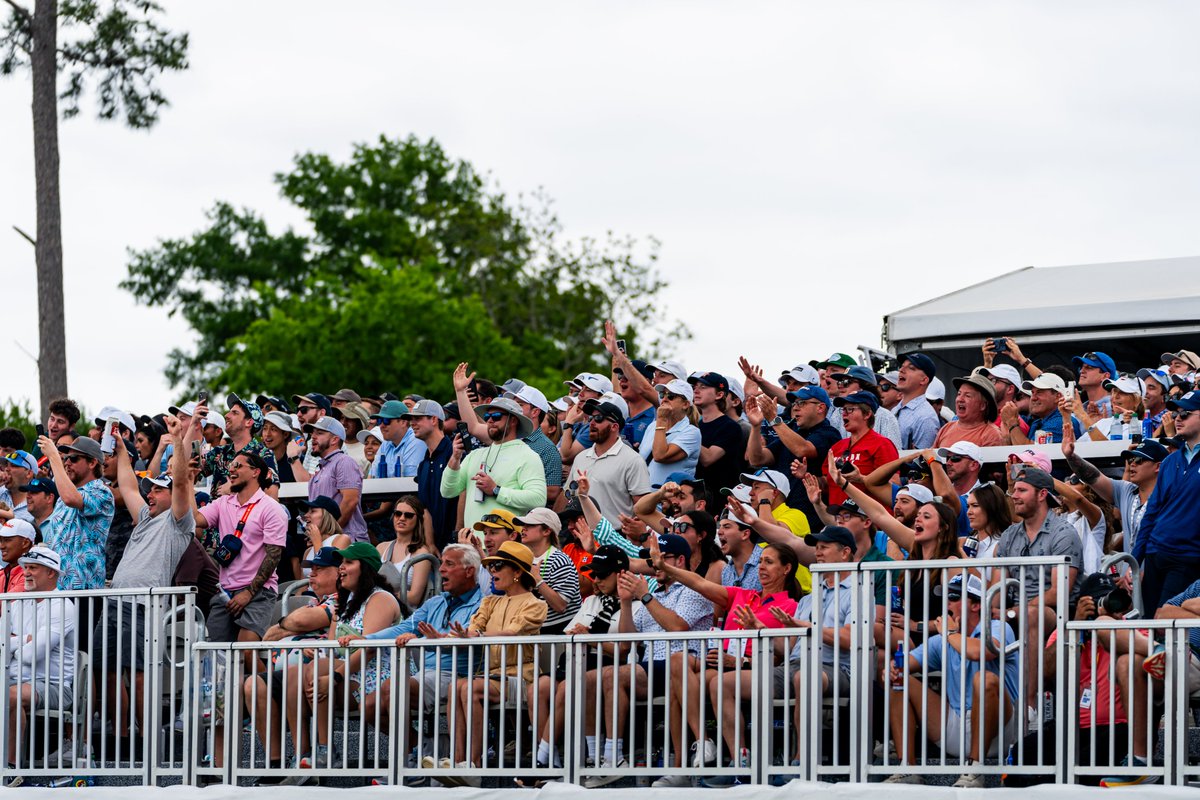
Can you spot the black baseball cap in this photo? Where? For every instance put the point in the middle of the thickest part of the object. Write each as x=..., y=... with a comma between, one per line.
x=278, y=402
x=40, y=485
x=326, y=504
x=921, y=362
x=325, y=557
x=832, y=533
x=1148, y=449
x=608, y=560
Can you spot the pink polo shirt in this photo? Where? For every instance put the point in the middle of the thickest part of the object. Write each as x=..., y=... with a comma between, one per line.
x=266, y=524
x=761, y=606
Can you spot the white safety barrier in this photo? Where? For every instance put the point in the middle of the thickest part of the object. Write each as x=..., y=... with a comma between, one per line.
x=707, y=708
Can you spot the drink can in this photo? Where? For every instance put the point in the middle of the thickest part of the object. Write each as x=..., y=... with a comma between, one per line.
x=1044, y=437
x=112, y=432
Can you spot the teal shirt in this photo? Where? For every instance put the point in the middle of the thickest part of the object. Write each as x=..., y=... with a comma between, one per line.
x=515, y=468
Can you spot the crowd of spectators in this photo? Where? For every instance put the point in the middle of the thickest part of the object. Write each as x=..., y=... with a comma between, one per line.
x=648, y=499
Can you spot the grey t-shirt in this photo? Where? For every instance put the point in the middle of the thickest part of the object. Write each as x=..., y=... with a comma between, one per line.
x=1057, y=537
x=1127, y=499
x=155, y=547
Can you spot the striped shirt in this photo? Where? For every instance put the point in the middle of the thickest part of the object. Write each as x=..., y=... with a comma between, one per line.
x=546, y=450
x=558, y=571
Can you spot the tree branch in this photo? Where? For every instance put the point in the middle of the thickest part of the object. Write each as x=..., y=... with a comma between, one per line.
x=21, y=11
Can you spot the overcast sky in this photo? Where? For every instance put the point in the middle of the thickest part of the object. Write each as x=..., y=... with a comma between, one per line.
x=808, y=167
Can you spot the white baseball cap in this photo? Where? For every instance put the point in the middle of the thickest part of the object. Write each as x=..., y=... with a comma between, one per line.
x=678, y=387
x=41, y=555
x=936, y=390
x=375, y=433
x=671, y=368
x=534, y=397
x=773, y=477
x=18, y=527
x=917, y=492
x=963, y=448
x=803, y=373
x=590, y=380
x=214, y=418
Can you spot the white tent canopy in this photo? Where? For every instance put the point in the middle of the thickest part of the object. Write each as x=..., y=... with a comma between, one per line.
x=1129, y=298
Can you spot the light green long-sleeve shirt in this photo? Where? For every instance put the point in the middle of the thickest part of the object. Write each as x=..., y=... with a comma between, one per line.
x=516, y=469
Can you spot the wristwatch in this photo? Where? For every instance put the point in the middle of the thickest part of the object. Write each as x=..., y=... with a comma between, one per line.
x=775, y=423
x=764, y=501
x=646, y=598
x=293, y=459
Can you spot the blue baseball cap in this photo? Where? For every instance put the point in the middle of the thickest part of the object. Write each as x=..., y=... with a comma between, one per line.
x=832, y=533
x=1148, y=449
x=1157, y=375
x=325, y=557
x=858, y=399
x=812, y=392
x=323, y=502
x=20, y=458
x=1189, y=402
x=670, y=544
x=252, y=410
x=921, y=362
x=859, y=373
x=1097, y=359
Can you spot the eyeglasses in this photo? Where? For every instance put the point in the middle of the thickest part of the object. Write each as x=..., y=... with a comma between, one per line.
x=844, y=515
x=493, y=416
x=404, y=514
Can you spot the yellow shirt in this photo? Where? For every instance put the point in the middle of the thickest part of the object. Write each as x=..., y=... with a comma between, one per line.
x=797, y=523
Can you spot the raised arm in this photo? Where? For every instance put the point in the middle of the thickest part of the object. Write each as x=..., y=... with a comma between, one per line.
x=181, y=487
x=896, y=530
x=127, y=485
x=714, y=592
x=1085, y=470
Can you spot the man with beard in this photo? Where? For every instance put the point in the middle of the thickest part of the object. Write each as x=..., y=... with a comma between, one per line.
x=619, y=476
x=242, y=421
x=505, y=475
x=425, y=420
x=338, y=475
x=79, y=525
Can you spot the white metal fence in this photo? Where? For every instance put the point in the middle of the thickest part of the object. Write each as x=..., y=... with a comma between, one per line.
x=706, y=707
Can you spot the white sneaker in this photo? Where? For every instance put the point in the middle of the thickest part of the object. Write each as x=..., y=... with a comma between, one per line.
x=969, y=780
x=709, y=755
x=672, y=782
x=902, y=778
x=596, y=781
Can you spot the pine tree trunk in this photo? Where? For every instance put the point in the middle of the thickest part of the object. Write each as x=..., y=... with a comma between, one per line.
x=52, y=348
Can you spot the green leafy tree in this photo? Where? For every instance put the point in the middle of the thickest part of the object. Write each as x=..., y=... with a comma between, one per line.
x=413, y=262
x=118, y=46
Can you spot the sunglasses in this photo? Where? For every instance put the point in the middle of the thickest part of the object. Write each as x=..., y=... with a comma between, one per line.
x=493, y=416
x=886, y=387
x=955, y=459
x=493, y=567
x=404, y=514
x=681, y=527
x=496, y=519
x=72, y=459
x=305, y=409
x=1183, y=414
x=599, y=418
x=844, y=381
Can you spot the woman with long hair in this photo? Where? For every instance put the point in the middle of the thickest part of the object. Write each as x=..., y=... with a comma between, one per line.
x=413, y=537
x=365, y=605
x=742, y=609
x=989, y=515
x=699, y=528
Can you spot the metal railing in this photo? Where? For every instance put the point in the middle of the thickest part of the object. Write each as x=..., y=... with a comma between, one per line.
x=755, y=706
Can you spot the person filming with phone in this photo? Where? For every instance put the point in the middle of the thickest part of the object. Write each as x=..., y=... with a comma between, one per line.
x=507, y=474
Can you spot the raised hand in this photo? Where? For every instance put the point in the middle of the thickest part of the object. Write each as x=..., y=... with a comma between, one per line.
x=461, y=379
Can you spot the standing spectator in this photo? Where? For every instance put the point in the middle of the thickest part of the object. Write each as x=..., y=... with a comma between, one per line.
x=164, y=529
x=1168, y=541
x=338, y=475
x=619, y=476
x=310, y=408
x=673, y=443
x=11, y=440
x=242, y=421
x=41, y=652
x=248, y=515
x=1040, y=532
x=1044, y=416
x=1157, y=385
x=425, y=419
x=16, y=537
x=400, y=454
x=343, y=398
x=634, y=384
x=919, y=423
x=506, y=475
x=586, y=386
x=862, y=379
x=533, y=404
x=722, y=453
x=355, y=420
x=280, y=438
x=865, y=450
x=889, y=393
x=557, y=581
x=79, y=525
x=63, y=416
x=975, y=405
x=1093, y=370
x=22, y=468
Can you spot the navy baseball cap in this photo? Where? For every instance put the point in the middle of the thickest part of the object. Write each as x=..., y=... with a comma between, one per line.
x=326, y=504
x=858, y=398
x=325, y=557
x=1188, y=402
x=316, y=398
x=40, y=485
x=1096, y=359
x=713, y=379
x=1148, y=449
x=278, y=402
x=811, y=392
x=921, y=362
x=832, y=533
x=252, y=410
x=859, y=373
x=671, y=545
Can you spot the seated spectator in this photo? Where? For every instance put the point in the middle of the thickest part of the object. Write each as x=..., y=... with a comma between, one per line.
x=673, y=608
x=936, y=395
x=1120, y=418
x=919, y=423
x=864, y=450
x=976, y=698
x=862, y=379
x=699, y=530
x=619, y=476
x=365, y=605
x=557, y=581
x=41, y=648
x=310, y=622
x=1184, y=362
x=1093, y=369
x=413, y=537
x=515, y=611
x=975, y=406
x=16, y=538
x=672, y=444
x=741, y=609
x=440, y=615
x=321, y=528
x=1039, y=532
x=1084, y=511
x=597, y=614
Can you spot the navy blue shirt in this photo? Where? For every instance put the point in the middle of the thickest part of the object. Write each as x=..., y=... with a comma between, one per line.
x=582, y=433
x=1171, y=527
x=821, y=436
x=444, y=510
x=635, y=426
